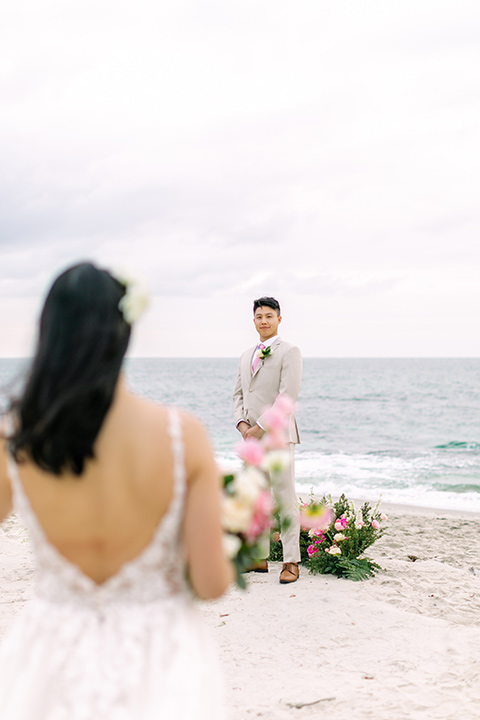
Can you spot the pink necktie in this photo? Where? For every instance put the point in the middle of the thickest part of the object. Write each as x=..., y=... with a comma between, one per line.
x=256, y=359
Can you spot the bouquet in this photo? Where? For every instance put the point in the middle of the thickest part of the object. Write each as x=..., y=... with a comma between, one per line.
x=247, y=498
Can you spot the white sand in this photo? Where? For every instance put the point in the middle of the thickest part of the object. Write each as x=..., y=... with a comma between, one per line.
x=404, y=645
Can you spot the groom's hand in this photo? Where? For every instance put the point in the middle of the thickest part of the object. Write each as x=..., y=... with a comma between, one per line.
x=242, y=427
x=254, y=432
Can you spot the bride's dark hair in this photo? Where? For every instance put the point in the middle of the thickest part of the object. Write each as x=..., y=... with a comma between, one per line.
x=81, y=343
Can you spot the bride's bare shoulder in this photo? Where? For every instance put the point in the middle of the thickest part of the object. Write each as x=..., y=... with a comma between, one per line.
x=192, y=426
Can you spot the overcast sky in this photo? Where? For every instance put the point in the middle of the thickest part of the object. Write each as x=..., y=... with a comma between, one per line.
x=325, y=152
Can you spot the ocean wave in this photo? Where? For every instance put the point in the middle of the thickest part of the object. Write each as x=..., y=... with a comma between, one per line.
x=459, y=445
x=459, y=489
x=420, y=497
x=417, y=480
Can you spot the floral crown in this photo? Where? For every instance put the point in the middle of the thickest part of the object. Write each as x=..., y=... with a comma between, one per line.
x=136, y=299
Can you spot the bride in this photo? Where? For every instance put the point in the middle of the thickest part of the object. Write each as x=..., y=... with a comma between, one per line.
x=121, y=501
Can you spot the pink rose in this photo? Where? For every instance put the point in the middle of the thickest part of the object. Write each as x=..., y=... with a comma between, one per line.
x=312, y=550
x=383, y=517
x=262, y=516
x=285, y=404
x=251, y=451
x=276, y=417
x=375, y=524
x=273, y=419
x=275, y=439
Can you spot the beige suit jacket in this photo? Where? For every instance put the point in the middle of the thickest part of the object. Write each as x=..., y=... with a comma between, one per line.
x=280, y=372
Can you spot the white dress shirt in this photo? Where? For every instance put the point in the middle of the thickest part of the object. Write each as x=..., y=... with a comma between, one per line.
x=266, y=344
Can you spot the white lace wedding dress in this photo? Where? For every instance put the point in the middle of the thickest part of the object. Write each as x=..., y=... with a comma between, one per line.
x=132, y=648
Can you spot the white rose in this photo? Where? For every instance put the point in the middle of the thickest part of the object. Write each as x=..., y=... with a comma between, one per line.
x=339, y=537
x=231, y=545
x=276, y=461
x=248, y=484
x=236, y=514
x=334, y=550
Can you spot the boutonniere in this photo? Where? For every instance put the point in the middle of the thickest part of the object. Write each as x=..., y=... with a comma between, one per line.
x=265, y=352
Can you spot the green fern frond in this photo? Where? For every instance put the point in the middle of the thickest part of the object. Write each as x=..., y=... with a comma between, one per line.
x=359, y=569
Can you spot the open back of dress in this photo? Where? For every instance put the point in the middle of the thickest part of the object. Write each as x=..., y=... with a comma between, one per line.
x=131, y=648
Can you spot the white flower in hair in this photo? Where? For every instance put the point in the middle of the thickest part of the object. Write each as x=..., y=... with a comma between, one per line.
x=136, y=299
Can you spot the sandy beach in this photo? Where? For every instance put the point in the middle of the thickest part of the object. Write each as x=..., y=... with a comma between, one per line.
x=405, y=644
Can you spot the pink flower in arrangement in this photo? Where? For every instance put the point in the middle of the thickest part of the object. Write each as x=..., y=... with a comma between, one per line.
x=375, y=524
x=341, y=523
x=261, y=519
x=312, y=550
x=276, y=537
x=316, y=516
x=251, y=451
x=383, y=517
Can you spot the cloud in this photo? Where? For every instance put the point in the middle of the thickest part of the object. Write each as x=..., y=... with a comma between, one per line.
x=325, y=152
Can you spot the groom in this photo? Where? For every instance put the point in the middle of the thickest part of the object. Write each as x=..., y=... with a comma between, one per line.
x=259, y=382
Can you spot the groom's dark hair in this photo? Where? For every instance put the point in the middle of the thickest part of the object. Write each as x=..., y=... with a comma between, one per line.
x=268, y=302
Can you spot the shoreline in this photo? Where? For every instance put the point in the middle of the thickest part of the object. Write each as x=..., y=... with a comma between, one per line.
x=403, y=508
x=425, y=510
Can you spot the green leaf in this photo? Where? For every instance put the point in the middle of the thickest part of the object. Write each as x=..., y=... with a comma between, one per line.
x=358, y=569
x=227, y=479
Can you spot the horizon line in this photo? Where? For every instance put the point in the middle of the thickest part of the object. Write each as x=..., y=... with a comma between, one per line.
x=305, y=357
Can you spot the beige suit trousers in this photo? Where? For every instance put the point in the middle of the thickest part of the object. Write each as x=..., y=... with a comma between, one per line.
x=283, y=487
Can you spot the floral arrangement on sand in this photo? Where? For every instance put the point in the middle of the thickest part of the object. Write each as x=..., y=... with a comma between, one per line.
x=334, y=536
x=247, y=498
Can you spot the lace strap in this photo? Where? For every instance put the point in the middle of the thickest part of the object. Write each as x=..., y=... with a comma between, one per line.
x=12, y=468
x=20, y=501
x=178, y=451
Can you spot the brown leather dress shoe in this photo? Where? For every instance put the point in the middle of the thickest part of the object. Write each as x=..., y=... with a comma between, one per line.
x=258, y=566
x=290, y=572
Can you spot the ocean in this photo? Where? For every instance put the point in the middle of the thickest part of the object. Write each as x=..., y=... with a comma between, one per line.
x=405, y=430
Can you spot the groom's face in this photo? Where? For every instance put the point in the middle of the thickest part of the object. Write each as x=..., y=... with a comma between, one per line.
x=266, y=321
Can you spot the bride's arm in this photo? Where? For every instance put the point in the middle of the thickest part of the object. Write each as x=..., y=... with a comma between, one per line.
x=5, y=487
x=210, y=572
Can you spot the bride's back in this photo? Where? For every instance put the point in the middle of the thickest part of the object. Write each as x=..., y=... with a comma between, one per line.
x=106, y=516
x=95, y=462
